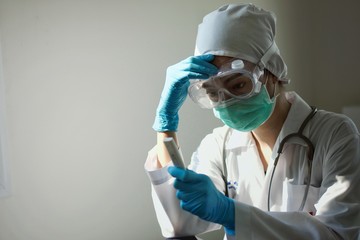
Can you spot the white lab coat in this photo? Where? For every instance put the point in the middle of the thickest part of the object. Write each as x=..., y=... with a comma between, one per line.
x=332, y=209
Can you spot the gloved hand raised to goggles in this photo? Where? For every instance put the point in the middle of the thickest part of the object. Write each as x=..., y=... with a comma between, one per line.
x=176, y=86
x=199, y=196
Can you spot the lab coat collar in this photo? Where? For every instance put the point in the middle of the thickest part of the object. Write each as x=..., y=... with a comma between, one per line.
x=239, y=139
x=298, y=112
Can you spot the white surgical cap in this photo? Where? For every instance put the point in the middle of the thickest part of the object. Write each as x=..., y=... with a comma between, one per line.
x=242, y=31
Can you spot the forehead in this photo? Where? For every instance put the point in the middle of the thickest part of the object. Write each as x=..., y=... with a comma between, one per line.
x=220, y=60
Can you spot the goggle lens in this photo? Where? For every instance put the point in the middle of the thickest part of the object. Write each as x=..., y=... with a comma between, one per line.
x=225, y=88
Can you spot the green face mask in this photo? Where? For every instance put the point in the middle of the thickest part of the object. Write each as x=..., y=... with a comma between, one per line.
x=248, y=114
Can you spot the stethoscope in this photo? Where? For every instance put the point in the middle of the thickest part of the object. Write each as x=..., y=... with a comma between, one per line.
x=310, y=155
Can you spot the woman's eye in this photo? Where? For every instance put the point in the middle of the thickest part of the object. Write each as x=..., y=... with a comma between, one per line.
x=239, y=85
x=241, y=88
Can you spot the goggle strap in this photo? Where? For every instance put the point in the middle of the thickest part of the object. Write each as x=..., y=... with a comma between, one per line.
x=266, y=57
x=257, y=87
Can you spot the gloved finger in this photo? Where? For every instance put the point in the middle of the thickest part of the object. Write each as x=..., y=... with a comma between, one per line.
x=192, y=177
x=206, y=57
x=188, y=186
x=189, y=195
x=181, y=74
x=176, y=172
x=186, y=175
x=183, y=175
x=196, y=208
x=194, y=64
x=199, y=61
x=204, y=60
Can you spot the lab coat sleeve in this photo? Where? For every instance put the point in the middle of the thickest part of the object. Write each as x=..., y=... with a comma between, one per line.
x=337, y=210
x=253, y=223
x=174, y=222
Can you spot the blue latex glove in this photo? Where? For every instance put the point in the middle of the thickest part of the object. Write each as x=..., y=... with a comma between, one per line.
x=199, y=196
x=176, y=86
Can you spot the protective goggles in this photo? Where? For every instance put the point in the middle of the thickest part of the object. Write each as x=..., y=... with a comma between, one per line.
x=234, y=82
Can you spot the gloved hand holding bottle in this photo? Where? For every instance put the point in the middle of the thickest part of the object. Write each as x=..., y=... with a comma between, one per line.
x=199, y=196
x=175, y=89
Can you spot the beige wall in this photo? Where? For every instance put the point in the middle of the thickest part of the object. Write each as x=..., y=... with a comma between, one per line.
x=82, y=83
x=327, y=48
x=338, y=49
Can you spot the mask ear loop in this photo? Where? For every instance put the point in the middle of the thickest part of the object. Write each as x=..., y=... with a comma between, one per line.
x=274, y=95
x=266, y=76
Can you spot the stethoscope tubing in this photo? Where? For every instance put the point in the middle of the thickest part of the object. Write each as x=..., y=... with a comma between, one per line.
x=310, y=156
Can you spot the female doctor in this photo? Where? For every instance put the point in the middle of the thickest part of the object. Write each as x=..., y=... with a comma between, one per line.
x=278, y=168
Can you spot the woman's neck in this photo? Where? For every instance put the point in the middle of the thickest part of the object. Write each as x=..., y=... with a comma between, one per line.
x=267, y=133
